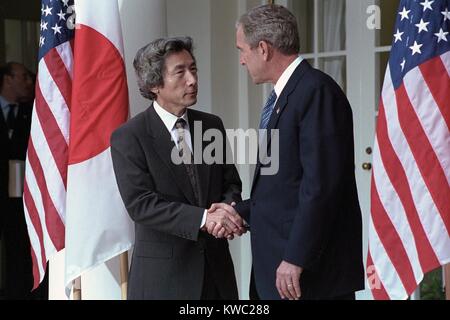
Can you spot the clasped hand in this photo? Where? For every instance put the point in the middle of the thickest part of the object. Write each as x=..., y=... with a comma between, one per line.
x=223, y=221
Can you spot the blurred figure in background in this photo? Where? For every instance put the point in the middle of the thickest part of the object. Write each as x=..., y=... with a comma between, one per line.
x=16, y=102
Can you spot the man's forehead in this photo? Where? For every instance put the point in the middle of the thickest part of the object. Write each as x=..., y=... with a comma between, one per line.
x=179, y=60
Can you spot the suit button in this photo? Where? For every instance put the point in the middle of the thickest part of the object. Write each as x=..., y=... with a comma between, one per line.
x=253, y=204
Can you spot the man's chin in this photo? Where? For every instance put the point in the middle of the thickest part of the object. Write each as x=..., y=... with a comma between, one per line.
x=191, y=102
x=257, y=81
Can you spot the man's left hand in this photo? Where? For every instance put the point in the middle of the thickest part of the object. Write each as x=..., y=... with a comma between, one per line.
x=288, y=281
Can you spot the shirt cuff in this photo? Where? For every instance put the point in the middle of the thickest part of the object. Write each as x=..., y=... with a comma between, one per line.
x=204, y=219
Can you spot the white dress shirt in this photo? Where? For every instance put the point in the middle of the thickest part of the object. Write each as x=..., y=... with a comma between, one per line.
x=281, y=83
x=169, y=121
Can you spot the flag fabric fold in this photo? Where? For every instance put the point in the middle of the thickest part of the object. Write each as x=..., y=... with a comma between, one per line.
x=48, y=148
x=97, y=224
x=71, y=198
x=410, y=211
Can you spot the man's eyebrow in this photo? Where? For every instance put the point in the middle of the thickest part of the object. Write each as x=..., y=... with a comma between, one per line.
x=180, y=66
x=183, y=66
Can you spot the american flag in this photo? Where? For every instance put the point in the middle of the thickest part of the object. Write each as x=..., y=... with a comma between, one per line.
x=47, y=157
x=410, y=207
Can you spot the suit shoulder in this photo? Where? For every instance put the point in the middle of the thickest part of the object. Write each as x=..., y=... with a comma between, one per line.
x=208, y=117
x=129, y=128
x=318, y=79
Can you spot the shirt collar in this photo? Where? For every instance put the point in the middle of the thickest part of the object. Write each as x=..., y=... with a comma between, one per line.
x=167, y=118
x=4, y=103
x=281, y=83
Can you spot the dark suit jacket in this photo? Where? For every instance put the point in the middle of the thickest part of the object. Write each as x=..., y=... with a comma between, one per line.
x=17, y=254
x=308, y=213
x=170, y=251
x=12, y=149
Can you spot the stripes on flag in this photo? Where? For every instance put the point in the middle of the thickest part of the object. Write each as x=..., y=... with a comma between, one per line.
x=47, y=156
x=410, y=215
x=81, y=97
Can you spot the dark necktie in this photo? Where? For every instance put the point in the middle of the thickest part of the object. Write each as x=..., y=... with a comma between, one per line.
x=186, y=156
x=267, y=110
x=10, y=120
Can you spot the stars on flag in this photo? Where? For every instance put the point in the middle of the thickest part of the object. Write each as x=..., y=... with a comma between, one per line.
x=441, y=35
x=55, y=27
x=61, y=15
x=44, y=25
x=404, y=14
x=416, y=48
x=427, y=5
x=47, y=11
x=446, y=14
x=423, y=26
x=398, y=36
x=420, y=27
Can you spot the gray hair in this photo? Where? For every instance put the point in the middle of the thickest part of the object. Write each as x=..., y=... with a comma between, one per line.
x=150, y=62
x=273, y=24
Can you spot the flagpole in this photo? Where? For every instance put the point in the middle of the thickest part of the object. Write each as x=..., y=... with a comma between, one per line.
x=447, y=281
x=124, y=274
x=76, y=289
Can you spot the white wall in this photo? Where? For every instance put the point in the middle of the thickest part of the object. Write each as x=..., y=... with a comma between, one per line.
x=193, y=18
x=142, y=22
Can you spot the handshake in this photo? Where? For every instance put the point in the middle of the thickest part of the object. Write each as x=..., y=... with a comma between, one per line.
x=222, y=221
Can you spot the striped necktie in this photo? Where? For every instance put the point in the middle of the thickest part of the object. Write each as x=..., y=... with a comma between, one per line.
x=184, y=151
x=187, y=157
x=267, y=110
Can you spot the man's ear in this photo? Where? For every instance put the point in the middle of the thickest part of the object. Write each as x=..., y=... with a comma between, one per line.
x=265, y=50
x=155, y=90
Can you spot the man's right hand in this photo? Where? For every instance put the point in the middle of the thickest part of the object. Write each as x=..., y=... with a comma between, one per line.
x=229, y=224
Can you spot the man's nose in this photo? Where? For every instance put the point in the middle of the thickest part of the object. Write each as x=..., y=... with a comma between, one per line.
x=191, y=78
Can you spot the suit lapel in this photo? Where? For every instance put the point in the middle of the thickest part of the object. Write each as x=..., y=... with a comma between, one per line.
x=203, y=170
x=280, y=107
x=22, y=119
x=163, y=145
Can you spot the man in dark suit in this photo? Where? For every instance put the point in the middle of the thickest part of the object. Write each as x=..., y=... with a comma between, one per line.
x=305, y=220
x=16, y=95
x=174, y=257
